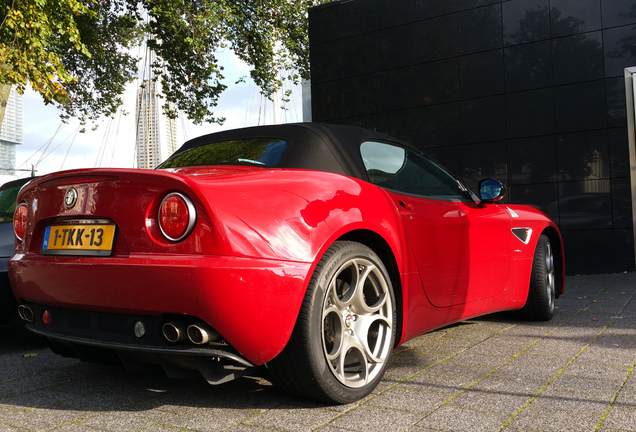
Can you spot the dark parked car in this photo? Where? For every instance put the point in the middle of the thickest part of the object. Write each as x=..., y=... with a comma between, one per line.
x=8, y=193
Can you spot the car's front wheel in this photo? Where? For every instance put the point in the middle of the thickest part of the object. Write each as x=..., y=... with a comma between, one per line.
x=345, y=331
x=542, y=293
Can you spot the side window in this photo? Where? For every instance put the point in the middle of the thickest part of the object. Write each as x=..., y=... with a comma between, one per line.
x=402, y=170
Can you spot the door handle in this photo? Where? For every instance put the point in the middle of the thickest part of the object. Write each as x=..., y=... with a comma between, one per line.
x=406, y=205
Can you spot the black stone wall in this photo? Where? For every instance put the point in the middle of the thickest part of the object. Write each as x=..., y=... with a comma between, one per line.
x=530, y=92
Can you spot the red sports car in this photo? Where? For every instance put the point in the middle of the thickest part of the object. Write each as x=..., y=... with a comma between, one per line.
x=312, y=249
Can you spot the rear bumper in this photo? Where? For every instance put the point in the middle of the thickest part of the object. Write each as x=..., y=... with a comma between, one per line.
x=104, y=338
x=252, y=303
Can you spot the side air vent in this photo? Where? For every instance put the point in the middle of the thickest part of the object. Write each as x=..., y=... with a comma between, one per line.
x=523, y=234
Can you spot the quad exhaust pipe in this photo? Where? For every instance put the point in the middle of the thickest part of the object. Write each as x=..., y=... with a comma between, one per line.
x=26, y=313
x=198, y=334
x=174, y=332
x=201, y=334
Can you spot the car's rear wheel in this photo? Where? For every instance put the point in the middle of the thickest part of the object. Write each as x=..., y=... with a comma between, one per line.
x=542, y=292
x=345, y=331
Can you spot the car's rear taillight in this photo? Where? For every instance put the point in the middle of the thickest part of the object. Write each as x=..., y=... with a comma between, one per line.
x=20, y=221
x=177, y=216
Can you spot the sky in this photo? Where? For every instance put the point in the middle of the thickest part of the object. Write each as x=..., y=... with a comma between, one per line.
x=50, y=145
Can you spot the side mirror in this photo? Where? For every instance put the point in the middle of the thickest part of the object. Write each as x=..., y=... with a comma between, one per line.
x=491, y=191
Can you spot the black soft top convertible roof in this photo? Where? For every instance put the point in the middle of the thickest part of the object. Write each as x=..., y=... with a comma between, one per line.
x=315, y=146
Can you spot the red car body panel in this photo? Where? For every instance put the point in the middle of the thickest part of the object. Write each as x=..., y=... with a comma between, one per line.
x=246, y=267
x=256, y=319
x=259, y=235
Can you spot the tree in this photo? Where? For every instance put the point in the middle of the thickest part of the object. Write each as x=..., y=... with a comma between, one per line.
x=28, y=35
x=78, y=54
x=5, y=89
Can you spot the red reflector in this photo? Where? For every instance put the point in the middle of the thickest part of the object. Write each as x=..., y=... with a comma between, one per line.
x=20, y=221
x=46, y=317
x=174, y=217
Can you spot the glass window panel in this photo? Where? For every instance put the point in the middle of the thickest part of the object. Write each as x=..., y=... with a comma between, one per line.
x=405, y=171
x=525, y=21
x=571, y=17
x=480, y=29
x=254, y=151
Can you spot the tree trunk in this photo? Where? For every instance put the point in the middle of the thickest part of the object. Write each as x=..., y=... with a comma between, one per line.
x=5, y=89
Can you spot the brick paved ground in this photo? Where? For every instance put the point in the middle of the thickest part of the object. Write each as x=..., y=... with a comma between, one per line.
x=497, y=373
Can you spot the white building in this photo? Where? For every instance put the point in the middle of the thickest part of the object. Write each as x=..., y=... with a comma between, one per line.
x=156, y=133
x=11, y=133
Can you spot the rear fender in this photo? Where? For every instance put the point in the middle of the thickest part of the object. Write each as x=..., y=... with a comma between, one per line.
x=295, y=215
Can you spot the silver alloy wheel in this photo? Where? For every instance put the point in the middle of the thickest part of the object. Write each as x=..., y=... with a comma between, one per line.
x=357, y=322
x=549, y=276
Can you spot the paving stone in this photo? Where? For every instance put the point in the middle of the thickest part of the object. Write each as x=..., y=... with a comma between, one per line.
x=6, y=389
x=6, y=411
x=75, y=427
x=43, y=418
x=371, y=419
x=551, y=348
x=489, y=401
x=575, y=335
x=597, y=371
x=471, y=333
x=511, y=341
x=585, y=385
x=200, y=419
x=622, y=341
x=244, y=428
x=99, y=380
x=589, y=356
x=8, y=428
x=591, y=322
x=404, y=399
x=292, y=418
x=509, y=385
x=459, y=371
x=609, y=350
x=447, y=346
x=396, y=372
x=31, y=383
x=503, y=351
x=534, y=366
x=530, y=329
x=621, y=418
x=572, y=401
x=421, y=341
x=549, y=420
x=626, y=399
x=419, y=359
x=630, y=383
x=102, y=402
x=36, y=399
x=469, y=358
x=436, y=384
x=463, y=420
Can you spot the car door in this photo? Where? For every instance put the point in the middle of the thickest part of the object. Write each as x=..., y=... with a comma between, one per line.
x=462, y=250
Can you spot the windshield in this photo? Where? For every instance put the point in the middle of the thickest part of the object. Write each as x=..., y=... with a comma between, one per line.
x=251, y=151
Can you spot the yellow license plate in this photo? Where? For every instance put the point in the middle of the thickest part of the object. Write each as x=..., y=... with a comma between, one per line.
x=79, y=239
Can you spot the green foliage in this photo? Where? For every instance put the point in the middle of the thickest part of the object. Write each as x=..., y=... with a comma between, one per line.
x=78, y=54
x=26, y=34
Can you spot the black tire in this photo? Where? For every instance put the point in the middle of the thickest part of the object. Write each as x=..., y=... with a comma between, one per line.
x=345, y=332
x=542, y=292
